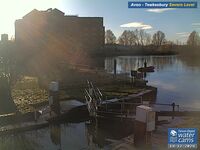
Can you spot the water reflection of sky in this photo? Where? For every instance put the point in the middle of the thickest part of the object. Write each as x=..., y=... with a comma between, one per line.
x=176, y=82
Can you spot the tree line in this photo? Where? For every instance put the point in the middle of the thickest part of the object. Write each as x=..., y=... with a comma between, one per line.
x=142, y=38
x=193, y=39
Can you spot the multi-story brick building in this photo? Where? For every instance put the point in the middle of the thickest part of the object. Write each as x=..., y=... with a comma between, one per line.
x=53, y=31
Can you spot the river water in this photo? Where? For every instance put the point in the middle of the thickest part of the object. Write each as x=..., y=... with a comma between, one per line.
x=69, y=136
x=177, y=80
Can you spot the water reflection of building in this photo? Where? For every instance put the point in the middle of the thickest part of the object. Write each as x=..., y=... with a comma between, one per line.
x=101, y=132
x=95, y=138
x=55, y=134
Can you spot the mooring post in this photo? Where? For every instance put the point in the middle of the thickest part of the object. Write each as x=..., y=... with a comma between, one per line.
x=178, y=107
x=173, y=110
x=133, y=76
x=132, y=80
x=35, y=114
x=115, y=67
x=145, y=63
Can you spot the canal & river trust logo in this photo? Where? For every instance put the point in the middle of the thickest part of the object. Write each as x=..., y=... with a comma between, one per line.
x=182, y=138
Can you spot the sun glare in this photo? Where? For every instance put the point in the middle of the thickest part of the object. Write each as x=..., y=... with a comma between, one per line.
x=10, y=10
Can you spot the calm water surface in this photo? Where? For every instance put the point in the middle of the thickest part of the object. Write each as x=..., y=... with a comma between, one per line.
x=177, y=80
x=94, y=135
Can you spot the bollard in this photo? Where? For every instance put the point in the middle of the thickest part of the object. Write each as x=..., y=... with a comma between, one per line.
x=35, y=115
x=54, y=98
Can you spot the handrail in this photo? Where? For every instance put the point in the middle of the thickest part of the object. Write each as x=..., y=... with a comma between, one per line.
x=173, y=105
x=163, y=104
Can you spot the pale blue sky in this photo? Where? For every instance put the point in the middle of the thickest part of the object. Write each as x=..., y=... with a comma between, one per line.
x=175, y=23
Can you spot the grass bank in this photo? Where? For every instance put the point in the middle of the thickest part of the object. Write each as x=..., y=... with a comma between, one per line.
x=27, y=93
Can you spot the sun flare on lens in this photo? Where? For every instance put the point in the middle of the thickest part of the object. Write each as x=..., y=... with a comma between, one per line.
x=10, y=10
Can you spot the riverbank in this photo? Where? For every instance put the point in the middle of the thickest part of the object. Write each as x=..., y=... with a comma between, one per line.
x=28, y=95
x=190, y=55
x=120, y=50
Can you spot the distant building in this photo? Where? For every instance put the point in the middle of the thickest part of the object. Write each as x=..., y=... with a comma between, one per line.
x=52, y=29
x=4, y=37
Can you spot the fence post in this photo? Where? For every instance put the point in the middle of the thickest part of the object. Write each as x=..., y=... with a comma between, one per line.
x=115, y=67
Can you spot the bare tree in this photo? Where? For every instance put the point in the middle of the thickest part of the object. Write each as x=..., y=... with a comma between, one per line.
x=137, y=39
x=148, y=39
x=144, y=38
x=131, y=38
x=123, y=39
x=110, y=38
x=141, y=37
x=158, y=38
x=193, y=39
x=128, y=38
